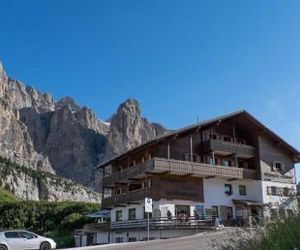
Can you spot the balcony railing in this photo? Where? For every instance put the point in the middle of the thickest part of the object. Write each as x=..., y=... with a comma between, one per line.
x=97, y=226
x=132, y=196
x=229, y=147
x=161, y=165
x=165, y=223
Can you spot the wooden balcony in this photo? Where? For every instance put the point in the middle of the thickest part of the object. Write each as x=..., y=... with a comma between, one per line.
x=130, y=197
x=97, y=226
x=251, y=174
x=229, y=148
x=176, y=167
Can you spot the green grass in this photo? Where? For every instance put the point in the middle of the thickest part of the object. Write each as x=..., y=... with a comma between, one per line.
x=6, y=196
x=280, y=236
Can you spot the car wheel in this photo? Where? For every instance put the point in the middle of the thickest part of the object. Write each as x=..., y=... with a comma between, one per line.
x=45, y=246
x=2, y=247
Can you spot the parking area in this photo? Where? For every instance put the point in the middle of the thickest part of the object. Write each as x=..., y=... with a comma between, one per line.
x=201, y=241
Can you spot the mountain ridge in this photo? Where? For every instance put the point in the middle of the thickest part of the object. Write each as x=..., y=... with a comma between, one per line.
x=63, y=138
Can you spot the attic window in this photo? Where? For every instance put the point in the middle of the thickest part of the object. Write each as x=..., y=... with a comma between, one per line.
x=277, y=166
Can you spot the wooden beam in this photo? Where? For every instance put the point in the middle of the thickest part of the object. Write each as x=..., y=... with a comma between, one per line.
x=191, y=148
x=210, y=176
x=232, y=179
x=169, y=150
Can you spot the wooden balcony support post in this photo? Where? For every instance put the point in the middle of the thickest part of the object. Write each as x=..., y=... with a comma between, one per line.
x=236, y=161
x=234, y=133
x=103, y=176
x=191, y=148
x=169, y=150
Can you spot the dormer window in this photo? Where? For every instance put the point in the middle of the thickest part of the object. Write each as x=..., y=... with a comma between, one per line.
x=277, y=166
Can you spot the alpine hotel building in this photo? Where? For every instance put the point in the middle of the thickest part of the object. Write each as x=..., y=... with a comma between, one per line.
x=231, y=167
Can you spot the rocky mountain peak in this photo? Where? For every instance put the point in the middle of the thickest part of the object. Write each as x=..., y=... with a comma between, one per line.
x=129, y=129
x=130, y=107
x=67, y=101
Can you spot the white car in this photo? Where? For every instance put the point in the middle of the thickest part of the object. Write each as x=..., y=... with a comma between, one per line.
x=24, y=240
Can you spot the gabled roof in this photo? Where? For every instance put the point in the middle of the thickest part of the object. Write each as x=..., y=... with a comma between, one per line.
x=203, y=124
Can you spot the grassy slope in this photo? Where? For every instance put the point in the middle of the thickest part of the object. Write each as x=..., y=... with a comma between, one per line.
x=6, y=196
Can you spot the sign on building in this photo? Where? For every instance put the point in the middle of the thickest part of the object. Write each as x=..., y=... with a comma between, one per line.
x=148, y=205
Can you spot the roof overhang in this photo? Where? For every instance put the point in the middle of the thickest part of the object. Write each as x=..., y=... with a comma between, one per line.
x=197, y=127
x=247, y=202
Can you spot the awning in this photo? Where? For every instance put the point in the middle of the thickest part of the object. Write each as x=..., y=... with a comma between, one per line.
x=100, y=214
x=247, y=203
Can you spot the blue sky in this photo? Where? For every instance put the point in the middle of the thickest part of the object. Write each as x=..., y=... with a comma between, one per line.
x=180, y=59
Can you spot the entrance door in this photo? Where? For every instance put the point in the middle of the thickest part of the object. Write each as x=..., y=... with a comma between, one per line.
x=182, y=213
x=182, y=209
x=90, y=239
x=226, y=213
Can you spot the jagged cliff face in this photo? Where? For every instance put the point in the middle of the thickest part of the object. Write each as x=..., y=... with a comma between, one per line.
x=128, y=129
x=15, y=141
x=62, y=137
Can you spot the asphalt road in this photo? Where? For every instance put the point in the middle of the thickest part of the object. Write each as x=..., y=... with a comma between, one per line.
x=201, y=241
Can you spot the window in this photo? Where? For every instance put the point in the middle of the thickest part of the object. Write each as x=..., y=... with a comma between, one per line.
x=215, y=211
x=119, y=191
x=119, y=215
x=228, y=189
x=242, y=190
x=119, y=168
x=277, y=166
x=119, y=240
x=241, y=164
x=213, y=136
x=229, y=213
x=226, y=163
x=27, y=235
x=227, y=138
x=286, y=191
x=131, y=214
x=11, y=235
x=131, y=239
x=275, y=191
x=241, y=141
